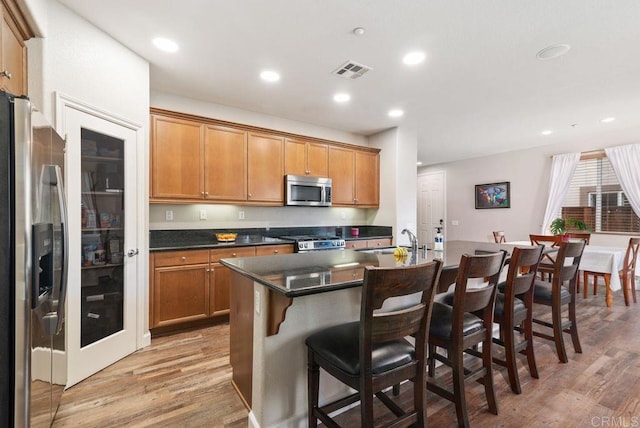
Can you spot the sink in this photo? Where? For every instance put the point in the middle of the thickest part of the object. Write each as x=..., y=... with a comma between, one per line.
x=382, y=250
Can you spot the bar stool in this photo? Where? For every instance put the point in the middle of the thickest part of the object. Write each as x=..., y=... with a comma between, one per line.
x=373, y=354
x=459, y=327
x=514, y=312
x=499, y=237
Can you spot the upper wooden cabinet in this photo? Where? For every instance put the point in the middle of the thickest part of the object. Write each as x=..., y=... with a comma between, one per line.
x=355, y=175
x=176, y=170
x=306, y=158
x=13, y=56
x=196, y=159
x=225, y=165
x=265, y=167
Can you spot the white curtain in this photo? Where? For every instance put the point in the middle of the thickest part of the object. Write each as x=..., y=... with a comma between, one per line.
x=562, y=169
x=625, y=161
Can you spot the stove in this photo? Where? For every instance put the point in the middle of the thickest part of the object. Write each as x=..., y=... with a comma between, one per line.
x=306, y=243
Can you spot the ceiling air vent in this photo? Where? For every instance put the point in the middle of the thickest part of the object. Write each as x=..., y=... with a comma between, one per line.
x=351, y=70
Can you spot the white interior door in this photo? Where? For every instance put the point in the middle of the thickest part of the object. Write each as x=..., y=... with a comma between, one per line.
x=431, y=205
x=102, y=293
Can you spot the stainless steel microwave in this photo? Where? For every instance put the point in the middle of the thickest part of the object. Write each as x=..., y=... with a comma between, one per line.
x=307, y=191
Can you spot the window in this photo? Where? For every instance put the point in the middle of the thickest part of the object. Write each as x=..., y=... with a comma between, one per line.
x=595, y=197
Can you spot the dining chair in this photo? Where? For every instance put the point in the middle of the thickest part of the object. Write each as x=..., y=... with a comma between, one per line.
x=586, y=236
x=627, y=274
x=458, y=329
x=556, y=294
x=548, y=259
x=373, y=354
x=499, y=237
x=514, y=313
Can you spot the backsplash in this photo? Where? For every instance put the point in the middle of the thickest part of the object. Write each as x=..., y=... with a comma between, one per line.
x=229, y=216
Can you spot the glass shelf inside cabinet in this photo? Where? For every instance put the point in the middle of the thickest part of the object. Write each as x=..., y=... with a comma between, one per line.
x=102, y=214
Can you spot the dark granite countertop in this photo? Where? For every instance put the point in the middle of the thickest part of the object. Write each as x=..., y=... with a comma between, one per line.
x=164, y=240
x=302, y=274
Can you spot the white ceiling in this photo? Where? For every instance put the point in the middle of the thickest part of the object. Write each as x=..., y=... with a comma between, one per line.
x=480, y=91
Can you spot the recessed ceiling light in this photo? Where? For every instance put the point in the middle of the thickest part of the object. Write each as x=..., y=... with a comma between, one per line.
x=165, y=44
x=608, y=119
x=270, y=76
x=358, y=31
x=547, y=132
x=341, y=98
x=418, y=163
x=554, y=51
x=413, y=58
x=395, y=113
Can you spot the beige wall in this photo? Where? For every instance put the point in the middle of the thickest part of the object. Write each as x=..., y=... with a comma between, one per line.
x=528, y=171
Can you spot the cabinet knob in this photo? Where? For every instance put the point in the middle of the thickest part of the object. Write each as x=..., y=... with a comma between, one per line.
x=233, y=255
x=6, y=73
x=275, y=251
x=202, y=193
x=250, y=195
x=183, y=258
x=206, y=193
x=379, y=243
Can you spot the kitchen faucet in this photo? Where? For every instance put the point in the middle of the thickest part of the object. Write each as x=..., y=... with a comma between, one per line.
x=413, y=239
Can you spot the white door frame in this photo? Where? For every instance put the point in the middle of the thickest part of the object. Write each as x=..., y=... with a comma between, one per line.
x=142, y=333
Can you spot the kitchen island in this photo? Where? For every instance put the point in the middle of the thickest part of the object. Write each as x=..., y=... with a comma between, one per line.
x=277, y=301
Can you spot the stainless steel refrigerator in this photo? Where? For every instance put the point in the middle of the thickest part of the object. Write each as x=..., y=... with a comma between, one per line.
x=33, y=266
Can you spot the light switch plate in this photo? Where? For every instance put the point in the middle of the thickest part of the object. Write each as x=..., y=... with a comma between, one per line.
x=240, y=215
x=256, y=301
x=168, y=215
x=203, y=214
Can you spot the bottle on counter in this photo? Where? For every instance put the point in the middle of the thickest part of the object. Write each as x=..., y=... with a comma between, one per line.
x=438, y=244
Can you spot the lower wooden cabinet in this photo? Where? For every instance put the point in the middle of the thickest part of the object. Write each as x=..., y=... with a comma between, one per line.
x=368, y=243
x=190, y=285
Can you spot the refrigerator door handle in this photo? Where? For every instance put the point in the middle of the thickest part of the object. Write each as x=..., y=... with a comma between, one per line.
x=62, y=204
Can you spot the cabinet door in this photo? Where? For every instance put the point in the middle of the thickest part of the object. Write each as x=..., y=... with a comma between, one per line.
x=220, y=280
x=13, y=61
x=265, y=168
x=220, y=289
x=367, y=178
x=176, y=158
x=225, y=164
x=180, y=293
x=341, y=165
x=318, y=159
x=295, y=157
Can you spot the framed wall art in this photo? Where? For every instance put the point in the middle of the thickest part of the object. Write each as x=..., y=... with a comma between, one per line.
x=493, y=195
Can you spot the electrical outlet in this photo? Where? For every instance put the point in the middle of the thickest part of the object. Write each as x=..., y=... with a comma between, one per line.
x=168, y=215
x=343, y=214
x=203, y=214
x=240, y=215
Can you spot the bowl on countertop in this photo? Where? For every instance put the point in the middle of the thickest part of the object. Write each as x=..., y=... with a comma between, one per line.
x=226, y=237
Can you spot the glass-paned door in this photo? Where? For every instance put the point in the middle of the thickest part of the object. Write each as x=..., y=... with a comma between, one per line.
x=102, y=200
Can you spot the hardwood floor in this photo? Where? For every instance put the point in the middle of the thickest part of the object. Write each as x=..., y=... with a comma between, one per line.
x=184, y=380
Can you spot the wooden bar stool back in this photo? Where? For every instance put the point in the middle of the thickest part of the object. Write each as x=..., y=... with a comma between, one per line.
x=556, y=294
x=548, y=259
x=514, y=313
x=373, y=354
x=459, y=327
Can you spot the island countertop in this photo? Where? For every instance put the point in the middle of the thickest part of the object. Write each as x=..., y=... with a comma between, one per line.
x=303, y=274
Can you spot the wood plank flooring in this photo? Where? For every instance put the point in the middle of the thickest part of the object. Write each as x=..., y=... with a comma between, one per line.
x=184, y=380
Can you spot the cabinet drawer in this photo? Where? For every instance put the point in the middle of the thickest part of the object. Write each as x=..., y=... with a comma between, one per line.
x=352, y=245
x=229, y=253
x=273, y=250
x=178, y=258
x=382, y=242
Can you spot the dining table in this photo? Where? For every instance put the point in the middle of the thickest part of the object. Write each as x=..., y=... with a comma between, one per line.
x=601, y=259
